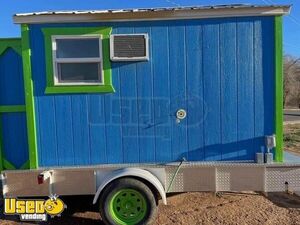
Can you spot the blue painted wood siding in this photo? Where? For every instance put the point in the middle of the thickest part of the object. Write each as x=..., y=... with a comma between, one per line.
x=11, y=81
x=15, y=143
x=13, y=125
x=219, y=70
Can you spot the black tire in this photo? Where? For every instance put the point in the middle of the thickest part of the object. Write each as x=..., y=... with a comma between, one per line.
x=127, y=183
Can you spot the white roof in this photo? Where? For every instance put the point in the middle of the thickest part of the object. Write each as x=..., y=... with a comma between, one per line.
x=143, y=14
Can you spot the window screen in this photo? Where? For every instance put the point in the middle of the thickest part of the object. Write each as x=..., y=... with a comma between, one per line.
x=131, y=47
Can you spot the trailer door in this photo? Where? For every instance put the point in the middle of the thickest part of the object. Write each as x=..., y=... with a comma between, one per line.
x=13, y=130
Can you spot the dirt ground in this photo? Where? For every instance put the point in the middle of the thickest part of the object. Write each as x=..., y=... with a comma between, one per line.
x=202, y=208
x=231, y=208
x=197, y=208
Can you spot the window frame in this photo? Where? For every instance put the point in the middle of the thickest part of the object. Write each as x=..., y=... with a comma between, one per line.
x=143, y=58
x=56, y=60
x=54, y=87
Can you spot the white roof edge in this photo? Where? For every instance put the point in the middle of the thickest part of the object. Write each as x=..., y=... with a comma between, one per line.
x=149, y=14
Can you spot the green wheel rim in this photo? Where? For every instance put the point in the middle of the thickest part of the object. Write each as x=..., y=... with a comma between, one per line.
x=127, y=207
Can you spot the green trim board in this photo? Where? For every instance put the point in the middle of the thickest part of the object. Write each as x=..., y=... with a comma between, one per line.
x=79, y=89
x=14, y=43
x=12, y=108
x=7, y=165
x=26, y=165
x=107, y=87
x=29, y=99
x=278, y=89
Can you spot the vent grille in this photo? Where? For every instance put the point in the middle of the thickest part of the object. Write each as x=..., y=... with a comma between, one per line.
x=129, y=47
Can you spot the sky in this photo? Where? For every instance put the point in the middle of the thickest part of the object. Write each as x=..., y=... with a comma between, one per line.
x=10, y=7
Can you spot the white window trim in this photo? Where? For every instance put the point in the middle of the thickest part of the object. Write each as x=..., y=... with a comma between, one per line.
x=114, y=58
x=55, y=60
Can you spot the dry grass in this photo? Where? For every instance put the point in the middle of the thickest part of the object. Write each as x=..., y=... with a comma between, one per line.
x=292, y=138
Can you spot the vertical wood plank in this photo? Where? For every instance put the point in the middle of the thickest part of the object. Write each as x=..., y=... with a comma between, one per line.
x=177, y=60
x=130, y=122
x=47, y=132
x=97, y=129
x=268, y=53
x=259, y=110
x=211, y=76
x=113, y=117
x=195, y=101
x=245, y=89
x=80, y=129
x=144, y=75
x=228, y=66
x=160, y=63
x=64, y=130
x=113, y=121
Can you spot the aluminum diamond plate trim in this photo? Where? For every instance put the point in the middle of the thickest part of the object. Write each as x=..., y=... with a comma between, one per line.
x=240, y=179
x=223, y=179
x=196, y=176
x=277, y=177
x=177, y=185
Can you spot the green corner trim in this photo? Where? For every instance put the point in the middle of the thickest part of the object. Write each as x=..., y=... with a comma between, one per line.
x=30, y=109
x=14, y=43
x=12, y=108
x=7, y=165
x=26, y=165
x=105, y=32
x=278, y=89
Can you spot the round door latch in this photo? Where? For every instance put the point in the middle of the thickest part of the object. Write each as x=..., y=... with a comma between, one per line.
x=181, y=114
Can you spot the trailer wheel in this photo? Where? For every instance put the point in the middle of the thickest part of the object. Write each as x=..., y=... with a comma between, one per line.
x=127, y=201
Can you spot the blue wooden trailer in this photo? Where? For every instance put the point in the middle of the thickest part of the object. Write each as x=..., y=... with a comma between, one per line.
x=143, y=102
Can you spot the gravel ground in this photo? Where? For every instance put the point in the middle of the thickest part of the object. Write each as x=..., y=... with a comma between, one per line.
x=197, y=208
x=231, y=208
